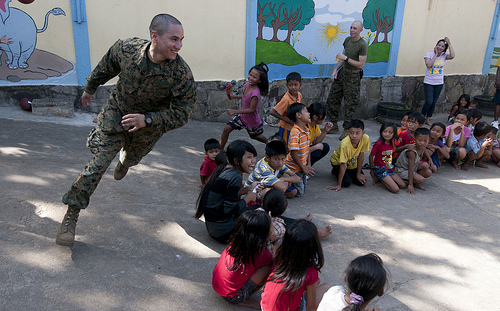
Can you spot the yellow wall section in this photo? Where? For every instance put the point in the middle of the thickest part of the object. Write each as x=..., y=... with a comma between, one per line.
x=214, y=43
x=467, y=24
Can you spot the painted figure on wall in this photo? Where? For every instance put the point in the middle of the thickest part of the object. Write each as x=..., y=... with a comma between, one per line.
x=305, y=35
x=22, y=31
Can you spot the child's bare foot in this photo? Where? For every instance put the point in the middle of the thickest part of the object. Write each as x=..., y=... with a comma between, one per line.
x=455, y=165
x=481, y=165
x=465, y=166
x=324, y=232
x=309, y=217
x=419, y=186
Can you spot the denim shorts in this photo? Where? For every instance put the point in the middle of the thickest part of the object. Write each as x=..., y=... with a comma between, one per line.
x=381, y=172
x=243, y=293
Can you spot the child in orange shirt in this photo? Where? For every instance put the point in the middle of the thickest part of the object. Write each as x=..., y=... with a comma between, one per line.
x=293, y=83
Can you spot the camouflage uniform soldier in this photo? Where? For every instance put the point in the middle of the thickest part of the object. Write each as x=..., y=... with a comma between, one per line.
x=154, y=94
x=346, y=82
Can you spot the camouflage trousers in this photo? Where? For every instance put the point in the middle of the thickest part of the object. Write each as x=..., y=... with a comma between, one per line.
x=104, y=146
x=347, y=85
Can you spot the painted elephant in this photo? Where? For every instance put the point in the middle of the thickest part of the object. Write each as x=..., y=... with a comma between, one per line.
x=19, y=26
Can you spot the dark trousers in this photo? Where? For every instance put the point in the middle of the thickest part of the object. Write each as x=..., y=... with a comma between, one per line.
x=350, y=176
x=431, y=96
x=319, y=154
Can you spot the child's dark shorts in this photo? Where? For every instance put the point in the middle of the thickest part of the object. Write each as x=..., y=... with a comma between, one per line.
x=381, y=172
x=237, y=124
x=243, y=293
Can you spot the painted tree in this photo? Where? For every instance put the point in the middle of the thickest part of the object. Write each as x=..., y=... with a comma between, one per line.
x=378, y=16
x=287, y=15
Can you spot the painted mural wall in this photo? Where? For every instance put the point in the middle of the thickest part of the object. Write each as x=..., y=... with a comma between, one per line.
x=305, y=35
x=292, y=35
x=26, y=58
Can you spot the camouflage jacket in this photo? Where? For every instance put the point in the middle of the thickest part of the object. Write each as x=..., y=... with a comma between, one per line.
x=167, y=92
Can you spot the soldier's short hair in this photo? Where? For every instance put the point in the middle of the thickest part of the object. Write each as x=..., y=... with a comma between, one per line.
x=161, y=23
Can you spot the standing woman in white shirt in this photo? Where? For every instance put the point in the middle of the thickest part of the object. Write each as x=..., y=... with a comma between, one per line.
x=434, y=78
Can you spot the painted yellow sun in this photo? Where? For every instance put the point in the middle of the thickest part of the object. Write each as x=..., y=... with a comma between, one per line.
x=329, y=35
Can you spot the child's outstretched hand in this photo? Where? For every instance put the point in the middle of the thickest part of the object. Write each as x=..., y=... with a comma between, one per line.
x=410, y=189
x=309, y=171
x=328, y=126
x=230, y=112
x=362, y=178
x=336, y=187
x=6, y=40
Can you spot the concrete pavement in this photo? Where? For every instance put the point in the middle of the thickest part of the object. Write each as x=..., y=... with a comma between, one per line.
x=139, y=248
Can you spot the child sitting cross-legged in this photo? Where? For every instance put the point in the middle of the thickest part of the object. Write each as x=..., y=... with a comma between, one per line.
x=245, y=263
x=381, y=167
x=477, y=146
x=347, y=160
x=456, y=136
x=409, y=167
x=299, y=160
x=436, y=147
x=318, y=148
x=271, y=170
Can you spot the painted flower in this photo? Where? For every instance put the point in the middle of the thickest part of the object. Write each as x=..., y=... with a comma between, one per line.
x=368, y=32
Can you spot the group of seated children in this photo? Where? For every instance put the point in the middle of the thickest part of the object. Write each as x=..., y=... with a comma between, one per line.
x=290, y=271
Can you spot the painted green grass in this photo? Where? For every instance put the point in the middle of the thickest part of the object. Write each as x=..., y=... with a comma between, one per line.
x=378, y=52
x=279, y=53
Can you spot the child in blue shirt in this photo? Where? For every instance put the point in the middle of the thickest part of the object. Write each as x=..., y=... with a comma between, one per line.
x=477, y=146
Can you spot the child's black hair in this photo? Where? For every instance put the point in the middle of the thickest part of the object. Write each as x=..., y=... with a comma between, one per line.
x=211, y=143
x=221, y=158
x=249, y=237
x=275, y=145
x=407, y=114
x=293, y=76
x=467, y=99
x=292, y=111
x=422, y=131
x=481, y=128
x=275, y=202
x=474, y=114
x=264, y=81
x=441, y=125
x=494, y=130
x=357, y=124
x=417, y=116
x=234, y=153
x=318, y=110
x=386, y=125
x=300, y=249
x=365, y=276
x=465, y=112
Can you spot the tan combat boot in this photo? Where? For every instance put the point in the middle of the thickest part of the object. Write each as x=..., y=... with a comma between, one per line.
x=120, y=171
x=66, y=234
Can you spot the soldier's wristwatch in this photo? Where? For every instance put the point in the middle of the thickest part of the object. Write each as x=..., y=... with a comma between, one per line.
x=148, y=120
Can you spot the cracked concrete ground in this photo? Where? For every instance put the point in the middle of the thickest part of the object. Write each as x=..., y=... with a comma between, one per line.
x=139, y=248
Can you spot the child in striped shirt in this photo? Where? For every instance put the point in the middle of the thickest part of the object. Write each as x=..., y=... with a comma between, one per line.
x=298, y=159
